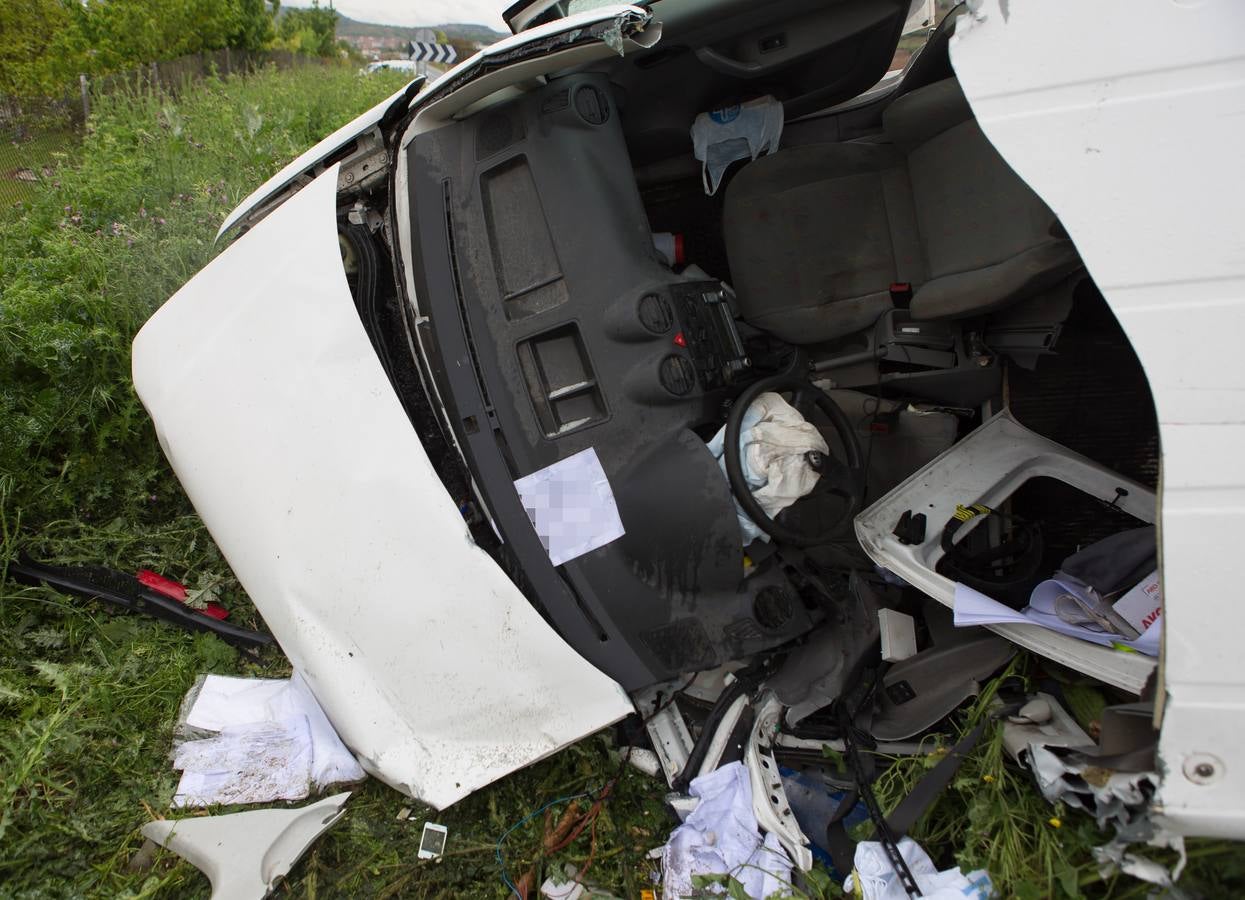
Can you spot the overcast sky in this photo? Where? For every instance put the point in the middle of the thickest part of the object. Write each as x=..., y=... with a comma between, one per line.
x=419, y=12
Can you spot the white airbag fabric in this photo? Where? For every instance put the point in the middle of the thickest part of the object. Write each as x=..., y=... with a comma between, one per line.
x=721, y=836
x=873, y=877
x=274, y=411
x=773, y=439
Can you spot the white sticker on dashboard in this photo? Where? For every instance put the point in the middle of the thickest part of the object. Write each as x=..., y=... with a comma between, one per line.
x=571, y=506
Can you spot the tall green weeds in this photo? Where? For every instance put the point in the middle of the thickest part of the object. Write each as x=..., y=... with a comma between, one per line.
x=119, y=227
x=88, y=699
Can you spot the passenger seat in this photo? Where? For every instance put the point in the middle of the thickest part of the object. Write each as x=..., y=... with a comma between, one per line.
x=817, y=234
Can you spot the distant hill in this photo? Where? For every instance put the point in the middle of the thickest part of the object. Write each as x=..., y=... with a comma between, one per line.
x=467, y=32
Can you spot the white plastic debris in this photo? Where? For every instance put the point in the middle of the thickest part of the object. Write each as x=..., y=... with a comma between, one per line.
x=877, y=880
x=566, y=886
x=720, y=837
x=244, y=854
x=1042, y=721
x=567, y=889
x=432, y=841
x=272, y=742
x=1120, y=800
x=1115, y=856
x=898, y=633
x=773, y=442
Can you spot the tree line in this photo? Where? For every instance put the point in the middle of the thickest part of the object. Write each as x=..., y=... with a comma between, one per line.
x=45, y=44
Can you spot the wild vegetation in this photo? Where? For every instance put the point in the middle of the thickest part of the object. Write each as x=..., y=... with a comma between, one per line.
x=88, y=699
x=46, y=44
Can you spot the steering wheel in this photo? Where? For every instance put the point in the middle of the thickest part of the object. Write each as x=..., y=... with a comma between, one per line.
x=843, y=478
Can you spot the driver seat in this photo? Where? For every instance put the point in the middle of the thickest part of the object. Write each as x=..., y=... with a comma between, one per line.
x=817, y=234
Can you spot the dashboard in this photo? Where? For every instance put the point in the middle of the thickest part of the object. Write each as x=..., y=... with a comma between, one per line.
x=557, y=327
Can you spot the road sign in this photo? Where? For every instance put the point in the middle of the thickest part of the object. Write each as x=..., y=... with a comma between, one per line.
x=426, y=51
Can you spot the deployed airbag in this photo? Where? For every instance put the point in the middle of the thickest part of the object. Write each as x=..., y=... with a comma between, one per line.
x=774, y=440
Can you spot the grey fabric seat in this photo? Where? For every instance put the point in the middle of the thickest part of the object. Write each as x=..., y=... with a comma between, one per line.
x=817, y=234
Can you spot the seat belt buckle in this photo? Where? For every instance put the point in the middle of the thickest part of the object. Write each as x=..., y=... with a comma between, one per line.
x=901, y=294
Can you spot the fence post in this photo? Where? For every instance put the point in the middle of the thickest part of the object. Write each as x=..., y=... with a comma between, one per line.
x=228, y=67
x=86, y=98
x=154, y=77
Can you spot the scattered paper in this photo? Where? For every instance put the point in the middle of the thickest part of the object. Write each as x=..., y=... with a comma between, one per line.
x=572, y=506
x=975, y=608
x=253, y=763
x=273, y=742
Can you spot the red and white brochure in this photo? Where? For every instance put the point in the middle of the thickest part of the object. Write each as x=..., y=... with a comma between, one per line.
x=1142, y=606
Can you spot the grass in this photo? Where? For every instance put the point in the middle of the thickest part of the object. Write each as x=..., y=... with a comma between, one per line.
x=88, y=699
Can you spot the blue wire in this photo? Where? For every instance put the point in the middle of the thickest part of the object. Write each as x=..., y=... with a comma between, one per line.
x=501, y=862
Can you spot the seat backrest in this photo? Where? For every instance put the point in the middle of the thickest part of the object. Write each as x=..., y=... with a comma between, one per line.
x=988, y=239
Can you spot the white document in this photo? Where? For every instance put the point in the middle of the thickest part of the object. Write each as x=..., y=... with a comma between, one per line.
x=975, y=608
x=225, y=700
x=253, y=763
x=274, y=743
x=572, y=506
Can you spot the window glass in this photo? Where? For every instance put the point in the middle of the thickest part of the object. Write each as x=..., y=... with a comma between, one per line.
x=922, y=20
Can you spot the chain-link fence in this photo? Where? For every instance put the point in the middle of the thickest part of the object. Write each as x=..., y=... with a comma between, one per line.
x=36, y=132
x=33, y=132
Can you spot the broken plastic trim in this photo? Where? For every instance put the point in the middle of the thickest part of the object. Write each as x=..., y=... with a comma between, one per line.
x=244, y=854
